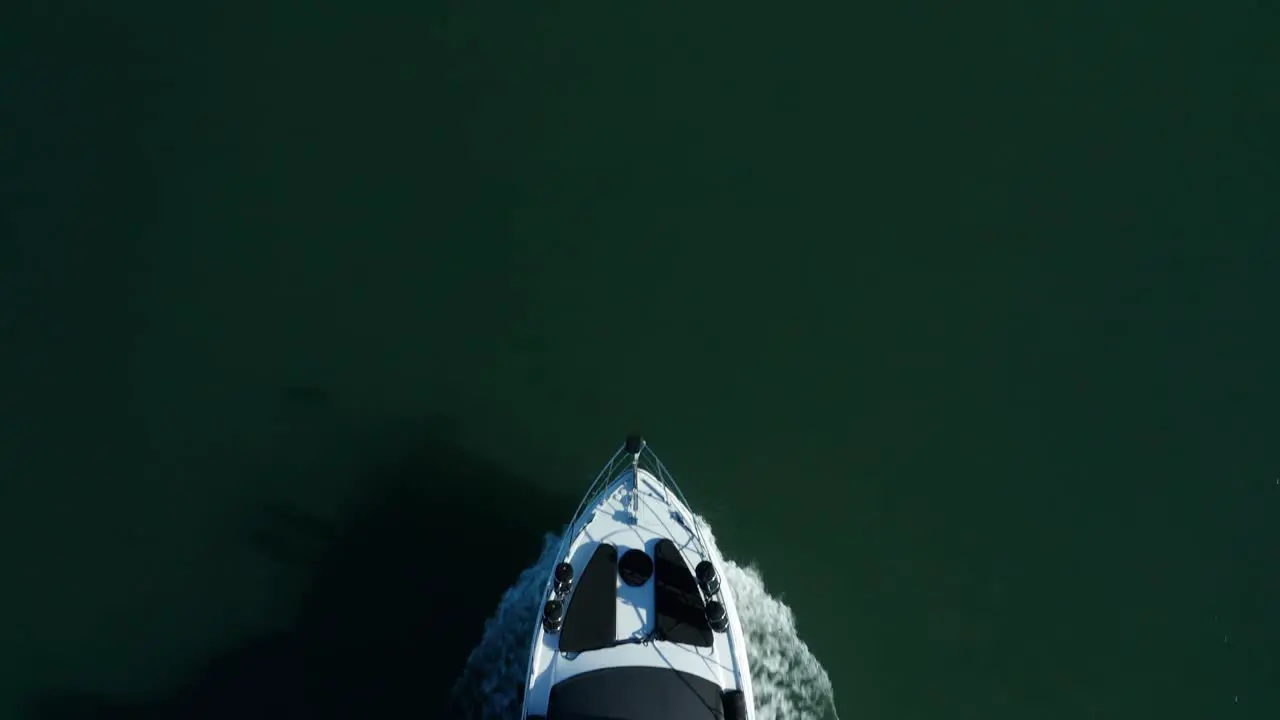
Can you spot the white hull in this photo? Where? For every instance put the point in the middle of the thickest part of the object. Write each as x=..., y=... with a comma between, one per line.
x=631, y=508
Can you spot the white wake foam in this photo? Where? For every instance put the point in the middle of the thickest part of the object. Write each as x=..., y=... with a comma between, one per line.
x=789, y=682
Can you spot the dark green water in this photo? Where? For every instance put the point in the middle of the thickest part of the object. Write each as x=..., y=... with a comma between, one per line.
x=958, y=321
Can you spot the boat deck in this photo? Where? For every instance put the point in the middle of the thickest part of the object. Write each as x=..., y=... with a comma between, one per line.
x=601, y=611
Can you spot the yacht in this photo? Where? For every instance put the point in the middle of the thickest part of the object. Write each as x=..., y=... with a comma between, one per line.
x=637, y=622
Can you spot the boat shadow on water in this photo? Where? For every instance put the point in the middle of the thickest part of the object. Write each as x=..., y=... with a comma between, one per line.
x=392, y=599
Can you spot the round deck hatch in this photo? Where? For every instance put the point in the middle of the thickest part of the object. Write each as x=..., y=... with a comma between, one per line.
x=635, y=567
